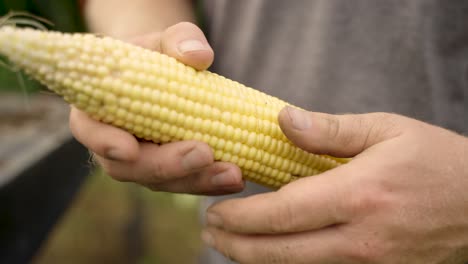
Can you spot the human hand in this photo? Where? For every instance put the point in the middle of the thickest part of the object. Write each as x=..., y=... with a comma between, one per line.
x=186, y=166
x=402, y=199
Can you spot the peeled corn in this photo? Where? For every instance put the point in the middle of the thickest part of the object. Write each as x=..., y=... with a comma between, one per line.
x=157, y=98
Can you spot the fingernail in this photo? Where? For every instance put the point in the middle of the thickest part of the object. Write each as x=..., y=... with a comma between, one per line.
x=299, y=120
x=114, y=154
x=207, y=238
x=194, y=160
x=213, y=219
x=190, y=45
x=222, y=179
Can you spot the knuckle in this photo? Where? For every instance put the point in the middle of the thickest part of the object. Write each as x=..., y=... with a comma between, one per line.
x=159, y=173
x=101, y=148
x=366, y=251
x=203, y=149
x=367, y=201
x=249, y=254
x=266, y=252
x=363, y=129
x=273, y=252
x=333, y=127
x=279, y=255
x=117, y=170
x=281, y=219
x=191, y=185
x=385, y=125
x=227, y=249
x=275, y=258
x=113, y=172
x=385, y=117
x=185, y=25
x=363, y=203
x=181, y=26
x=150, y=41
x=336, y=133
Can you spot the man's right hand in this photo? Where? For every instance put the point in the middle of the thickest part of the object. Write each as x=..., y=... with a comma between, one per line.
x=183, y=167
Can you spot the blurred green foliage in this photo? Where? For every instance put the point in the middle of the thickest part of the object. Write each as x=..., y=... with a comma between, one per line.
x=64, y=15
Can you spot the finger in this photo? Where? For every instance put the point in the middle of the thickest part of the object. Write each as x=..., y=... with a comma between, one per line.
x=337, y=135
x=187, y=43
x=306, y=204
x=156, y=164
x=216, y=179
x=150, y=41
x=107, y=141
x=321, y=246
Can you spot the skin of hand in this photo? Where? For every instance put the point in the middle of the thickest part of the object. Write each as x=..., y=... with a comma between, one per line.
x=184, y=167
x=402, y=199
x=123, y=19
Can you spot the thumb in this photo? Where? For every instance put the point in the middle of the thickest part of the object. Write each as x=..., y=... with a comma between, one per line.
x=187, y=43
x=183, y=41
x=336, y=135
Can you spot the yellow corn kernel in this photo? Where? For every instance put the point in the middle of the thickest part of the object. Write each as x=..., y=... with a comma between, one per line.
x=155, y=97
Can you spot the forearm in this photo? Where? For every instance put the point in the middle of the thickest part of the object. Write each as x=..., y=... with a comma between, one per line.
x=124, y=18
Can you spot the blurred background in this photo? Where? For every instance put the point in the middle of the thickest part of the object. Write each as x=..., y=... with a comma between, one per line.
x=55, y=207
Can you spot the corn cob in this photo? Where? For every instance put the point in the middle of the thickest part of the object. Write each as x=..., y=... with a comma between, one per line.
x=157, y=98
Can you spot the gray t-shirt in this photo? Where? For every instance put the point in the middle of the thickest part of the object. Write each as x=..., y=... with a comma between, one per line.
x=339, y=56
